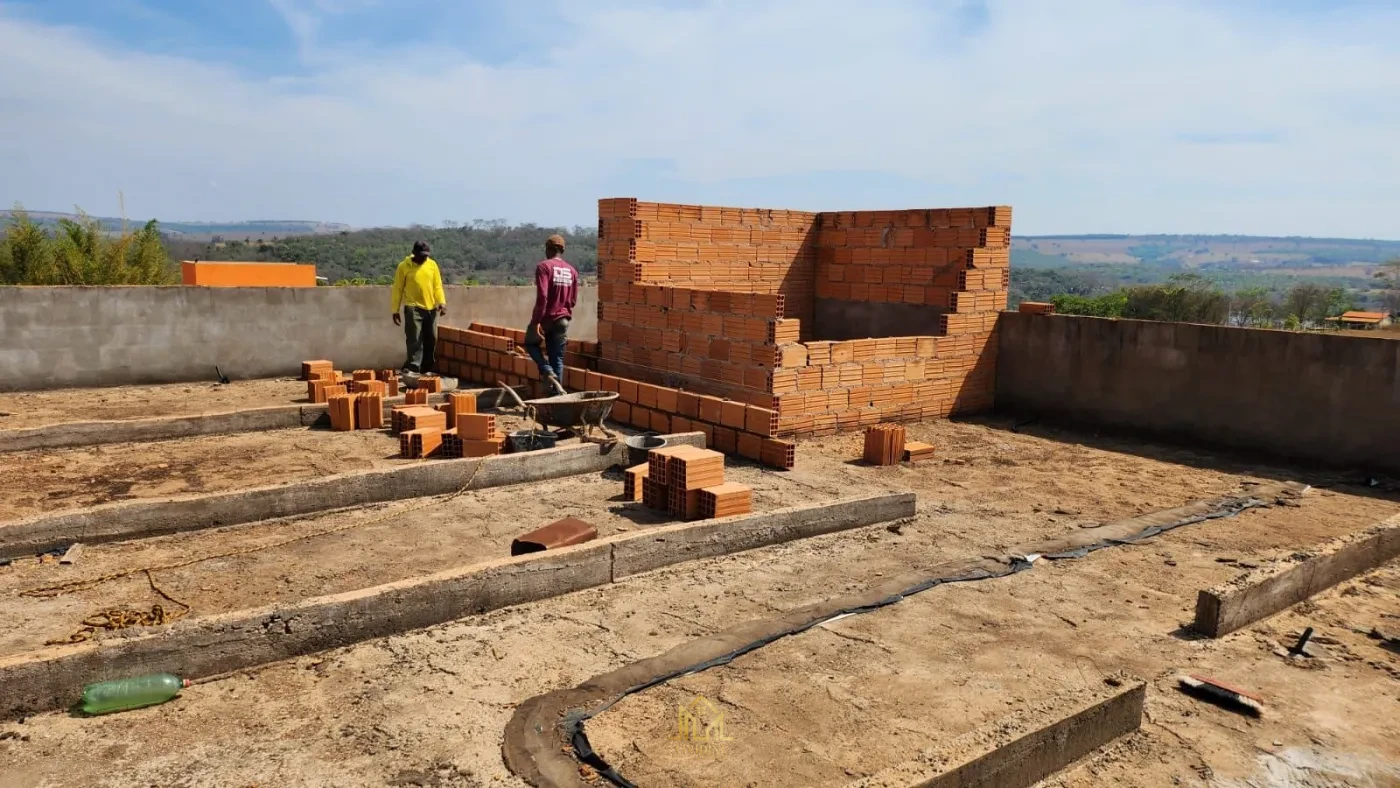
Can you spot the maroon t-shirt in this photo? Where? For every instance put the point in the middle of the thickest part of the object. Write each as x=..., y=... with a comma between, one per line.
x=556, y=290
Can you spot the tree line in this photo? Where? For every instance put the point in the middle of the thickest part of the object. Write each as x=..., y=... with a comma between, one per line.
x=1191, y=298
x=490, y=252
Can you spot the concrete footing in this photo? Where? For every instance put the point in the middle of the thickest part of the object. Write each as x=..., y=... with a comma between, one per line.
x=199, y=647
x=1020, y=750
x=138, y=519
x=1260, y=593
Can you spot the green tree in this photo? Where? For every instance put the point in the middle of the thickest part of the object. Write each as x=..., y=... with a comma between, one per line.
x=81, y=252
x=1308, y=302
x=1184, y=298
x=1252, y=306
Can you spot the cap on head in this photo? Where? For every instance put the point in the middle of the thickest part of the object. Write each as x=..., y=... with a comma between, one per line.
x=554, y=242
x=421, y=249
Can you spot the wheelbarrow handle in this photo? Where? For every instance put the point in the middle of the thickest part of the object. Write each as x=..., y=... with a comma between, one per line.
x=520, y=403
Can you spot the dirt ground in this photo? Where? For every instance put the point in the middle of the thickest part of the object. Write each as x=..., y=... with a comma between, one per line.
x=37, y=408
x=50, y=480
x=826, y=707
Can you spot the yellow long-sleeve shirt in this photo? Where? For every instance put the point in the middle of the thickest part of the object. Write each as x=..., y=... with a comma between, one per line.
x=418, y=284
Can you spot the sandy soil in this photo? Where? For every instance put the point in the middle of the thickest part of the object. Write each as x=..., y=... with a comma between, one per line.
x=37, y=408
x=396, y=541
x=46, y=481
x=428, y=708
x=51, y=480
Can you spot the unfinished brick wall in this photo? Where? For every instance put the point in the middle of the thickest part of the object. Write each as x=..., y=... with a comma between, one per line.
x=915, y=272
x=898, y=308
x=701, y=247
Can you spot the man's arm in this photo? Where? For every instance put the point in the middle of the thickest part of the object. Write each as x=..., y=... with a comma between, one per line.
x=400, y=275
x=438, y=294
x=541, y=292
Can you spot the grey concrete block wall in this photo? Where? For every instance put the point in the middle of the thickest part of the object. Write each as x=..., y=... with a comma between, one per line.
x=52, y=337
x=1317, y=397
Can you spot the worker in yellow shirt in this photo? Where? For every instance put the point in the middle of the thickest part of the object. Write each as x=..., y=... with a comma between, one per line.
x=418, y=302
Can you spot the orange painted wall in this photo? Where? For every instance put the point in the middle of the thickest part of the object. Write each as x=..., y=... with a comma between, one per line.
x=217, y=274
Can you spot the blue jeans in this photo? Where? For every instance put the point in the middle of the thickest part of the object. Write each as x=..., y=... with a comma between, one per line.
x=556, y=335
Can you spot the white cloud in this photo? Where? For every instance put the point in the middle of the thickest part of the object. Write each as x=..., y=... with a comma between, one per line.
x=1087, y=116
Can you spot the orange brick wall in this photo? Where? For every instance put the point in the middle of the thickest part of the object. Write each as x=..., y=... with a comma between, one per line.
x=955, y=259
x=741, y=250
x=677, y=307
x=217, y=274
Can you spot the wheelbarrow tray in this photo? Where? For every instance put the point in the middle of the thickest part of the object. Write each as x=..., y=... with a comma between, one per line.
x=582, y=408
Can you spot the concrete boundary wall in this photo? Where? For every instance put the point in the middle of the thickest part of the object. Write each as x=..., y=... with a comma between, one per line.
x=1020, y=750
x=139, y=519
x=1261, y=593
x=55, y=337
x=1307, y=396
x=201, y=647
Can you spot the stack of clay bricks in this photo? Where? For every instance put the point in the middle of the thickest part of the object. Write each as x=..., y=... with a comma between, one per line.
x=420, y=430
x=687, y=482
x=1036, y=308
x=478, y=436
x=491, y=354
x=324, y=382
x=884, y=444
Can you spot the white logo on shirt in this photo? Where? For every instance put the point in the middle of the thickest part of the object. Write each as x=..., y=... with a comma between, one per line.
x=563, y=277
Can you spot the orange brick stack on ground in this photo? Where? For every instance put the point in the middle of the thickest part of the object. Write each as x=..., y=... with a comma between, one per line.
x=369, y=411
x=342, y=411
x=310, y=368
x=676, y=479
x=725, y=500
x=884, y=444
x=479, y=435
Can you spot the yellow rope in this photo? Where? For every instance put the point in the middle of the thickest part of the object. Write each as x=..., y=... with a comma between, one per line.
x=121, y=618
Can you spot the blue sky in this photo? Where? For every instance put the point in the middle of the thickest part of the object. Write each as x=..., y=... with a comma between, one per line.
x=1251, y=116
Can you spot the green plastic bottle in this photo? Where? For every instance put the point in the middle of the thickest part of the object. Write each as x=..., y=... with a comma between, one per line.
x=123, y=694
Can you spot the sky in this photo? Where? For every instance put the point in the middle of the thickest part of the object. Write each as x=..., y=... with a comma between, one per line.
x=1271, y=117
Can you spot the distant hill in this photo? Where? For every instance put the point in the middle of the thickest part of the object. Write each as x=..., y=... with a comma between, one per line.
x=1240, y=253
x=1047, y=265
x=256, y=229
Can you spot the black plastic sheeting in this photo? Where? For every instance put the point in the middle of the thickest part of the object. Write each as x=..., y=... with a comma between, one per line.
x=583, y=749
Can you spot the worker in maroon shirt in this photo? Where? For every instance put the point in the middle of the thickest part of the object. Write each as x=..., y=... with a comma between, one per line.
x=556, y=292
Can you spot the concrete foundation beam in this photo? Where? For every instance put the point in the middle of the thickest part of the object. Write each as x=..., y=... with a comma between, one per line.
x=200, y=647
x=1023, y=749
x=1260, y=593
x=138, y=519
x=674, y=544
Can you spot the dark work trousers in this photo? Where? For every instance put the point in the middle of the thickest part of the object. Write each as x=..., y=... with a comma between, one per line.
x=420, y=338
x=556, y=336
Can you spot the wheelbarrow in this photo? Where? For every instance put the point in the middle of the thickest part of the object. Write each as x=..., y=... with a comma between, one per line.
x=578, y=413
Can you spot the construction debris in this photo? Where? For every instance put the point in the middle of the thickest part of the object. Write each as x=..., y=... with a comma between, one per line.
x=560, y=533
x=914, y=451
x=1221, y=694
